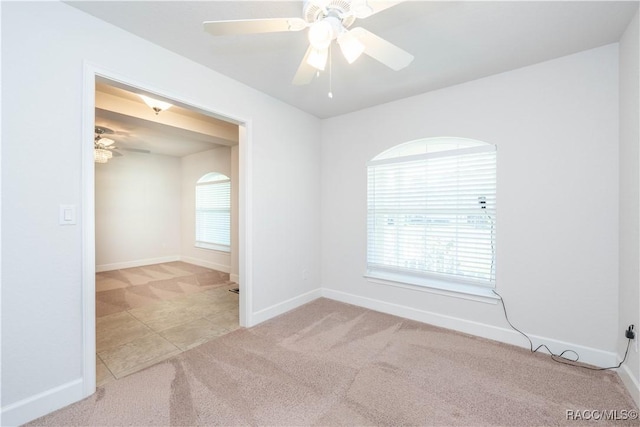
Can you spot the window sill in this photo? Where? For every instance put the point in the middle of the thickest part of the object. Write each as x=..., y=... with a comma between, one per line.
x=213, y=247
x=434, y=286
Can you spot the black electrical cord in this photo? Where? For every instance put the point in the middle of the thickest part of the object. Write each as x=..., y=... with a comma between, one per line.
x=560, y=358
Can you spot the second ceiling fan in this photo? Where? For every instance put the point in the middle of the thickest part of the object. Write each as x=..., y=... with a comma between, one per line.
x=327, y=20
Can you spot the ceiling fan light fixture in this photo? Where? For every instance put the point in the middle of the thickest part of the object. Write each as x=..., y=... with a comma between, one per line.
x=155, y=104
x=318, y=58
x=321, y=34
x=101, y=155
x=325, y=21
x=350, y=46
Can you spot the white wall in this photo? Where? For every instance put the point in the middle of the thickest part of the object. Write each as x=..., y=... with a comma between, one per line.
x=629, y=201
x=44, y=46
x=193, y=168
x=145, y=209
x=138, y=203
x=556, y=128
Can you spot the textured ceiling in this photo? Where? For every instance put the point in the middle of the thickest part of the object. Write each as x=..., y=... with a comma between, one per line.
x=452, y=42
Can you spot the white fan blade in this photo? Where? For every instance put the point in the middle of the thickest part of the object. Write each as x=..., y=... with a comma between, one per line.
x=380, y=49
x=305, y=72
x=365, y=8
x=135, y=150
x=254, y=26
x=106, y=141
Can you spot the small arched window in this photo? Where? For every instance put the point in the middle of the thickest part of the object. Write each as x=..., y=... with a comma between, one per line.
x=431, y=207
x=213, y=212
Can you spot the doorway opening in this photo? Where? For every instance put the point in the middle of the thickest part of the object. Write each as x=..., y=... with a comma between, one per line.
x=158, y=286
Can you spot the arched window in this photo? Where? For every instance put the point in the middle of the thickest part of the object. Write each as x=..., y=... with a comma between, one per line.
x=213, y=212
x=431, y=208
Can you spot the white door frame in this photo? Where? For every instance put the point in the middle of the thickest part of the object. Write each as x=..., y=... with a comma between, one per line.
x=245, y=236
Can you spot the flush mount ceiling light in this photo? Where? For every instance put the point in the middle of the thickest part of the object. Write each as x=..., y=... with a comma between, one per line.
x=155, y=104
x=327, y=20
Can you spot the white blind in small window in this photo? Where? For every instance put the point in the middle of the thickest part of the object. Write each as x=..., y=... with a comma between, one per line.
x=434, y=215
x=213, y=215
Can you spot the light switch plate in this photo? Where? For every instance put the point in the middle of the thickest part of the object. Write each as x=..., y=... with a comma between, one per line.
x=67, y=215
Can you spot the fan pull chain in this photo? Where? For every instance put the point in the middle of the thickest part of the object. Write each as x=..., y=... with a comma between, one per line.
x=330, y=94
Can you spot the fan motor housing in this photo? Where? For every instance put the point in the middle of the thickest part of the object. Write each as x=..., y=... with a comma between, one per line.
x=314, y=10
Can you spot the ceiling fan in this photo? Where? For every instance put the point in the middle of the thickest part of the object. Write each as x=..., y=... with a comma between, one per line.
x=327, y=20
x=103, y=148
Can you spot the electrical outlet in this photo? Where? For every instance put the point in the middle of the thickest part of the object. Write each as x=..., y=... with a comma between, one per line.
x=630, y=333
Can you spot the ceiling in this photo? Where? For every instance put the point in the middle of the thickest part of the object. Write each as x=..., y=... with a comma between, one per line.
x=176, y=132
x=453, y=42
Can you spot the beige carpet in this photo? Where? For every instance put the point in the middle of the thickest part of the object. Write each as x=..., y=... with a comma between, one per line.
x=329, y=363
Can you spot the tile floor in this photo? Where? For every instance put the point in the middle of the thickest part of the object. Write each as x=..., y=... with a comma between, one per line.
x=148, y=314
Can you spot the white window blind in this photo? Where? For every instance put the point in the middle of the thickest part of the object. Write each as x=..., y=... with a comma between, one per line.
x=213, y=212
x=433, y=215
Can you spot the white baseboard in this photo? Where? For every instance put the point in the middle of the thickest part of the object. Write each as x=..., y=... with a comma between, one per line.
x=587, y=354
x=41, y=404
x=136, y=263
x=630, y=382
x=283, y=307
x=171, y=258
x=207, y=264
